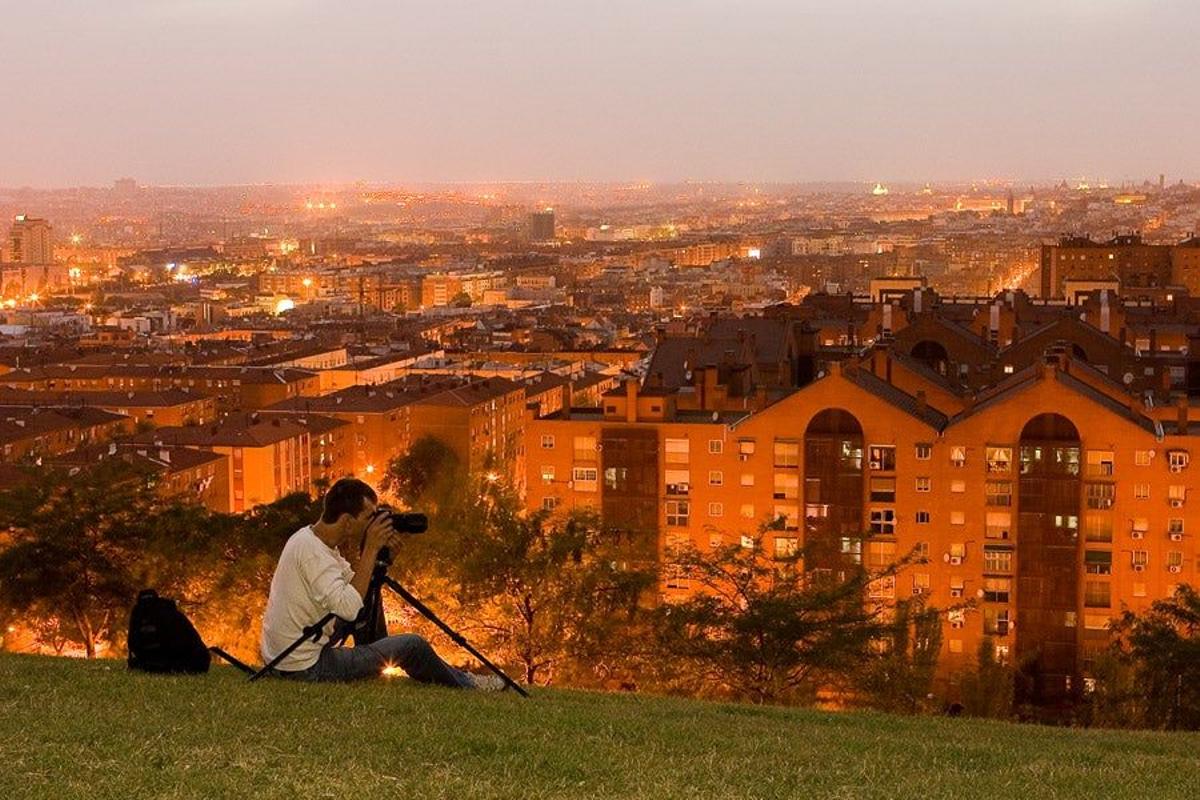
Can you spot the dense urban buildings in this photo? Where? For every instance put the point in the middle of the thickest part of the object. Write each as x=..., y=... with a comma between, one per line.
x=984, y=378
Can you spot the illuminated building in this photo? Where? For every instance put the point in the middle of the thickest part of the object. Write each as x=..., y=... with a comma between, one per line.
x=30, y=241
x=1041, y=496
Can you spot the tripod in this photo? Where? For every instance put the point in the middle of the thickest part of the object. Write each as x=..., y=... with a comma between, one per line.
x=371, y=625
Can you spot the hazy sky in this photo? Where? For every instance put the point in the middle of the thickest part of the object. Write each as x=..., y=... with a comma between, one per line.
x=238, y=91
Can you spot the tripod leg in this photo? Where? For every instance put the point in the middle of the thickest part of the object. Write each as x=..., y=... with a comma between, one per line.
x=312, y=632
x=454, y=635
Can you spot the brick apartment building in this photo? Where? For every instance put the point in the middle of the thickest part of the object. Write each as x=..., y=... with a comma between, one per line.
x=1043, y=494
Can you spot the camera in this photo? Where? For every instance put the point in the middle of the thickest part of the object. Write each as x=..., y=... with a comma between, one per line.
x=404, y=521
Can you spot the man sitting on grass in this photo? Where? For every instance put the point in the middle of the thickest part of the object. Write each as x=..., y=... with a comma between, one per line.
x=312, y=579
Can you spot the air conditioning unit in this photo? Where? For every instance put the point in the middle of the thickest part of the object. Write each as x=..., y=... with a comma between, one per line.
x=919, y=590
x=956, y=592
x=1176, y=502
x=956, y=624
x=1139, y=567
x=956, y=561
x=743, y=456
x=1176, y=537
x=1137, y=535
x=1175, y=568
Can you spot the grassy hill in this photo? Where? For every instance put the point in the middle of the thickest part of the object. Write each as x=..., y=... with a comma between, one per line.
x=77, y=729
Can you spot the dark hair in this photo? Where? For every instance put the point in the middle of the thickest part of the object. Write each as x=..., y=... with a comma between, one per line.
x=346, y=496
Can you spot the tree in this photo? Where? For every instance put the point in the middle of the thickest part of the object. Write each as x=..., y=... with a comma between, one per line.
x=760, y=628
x=988, y=691
x=1160, y=650
x=900, y=678
x=428, y=476
x=229, y=572
x=547, y=592
x=83, y=545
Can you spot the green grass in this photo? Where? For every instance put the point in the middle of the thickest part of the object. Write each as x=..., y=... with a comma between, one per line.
x=78, y=729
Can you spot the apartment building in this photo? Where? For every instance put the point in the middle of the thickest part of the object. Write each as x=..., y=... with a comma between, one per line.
x=1039, y=508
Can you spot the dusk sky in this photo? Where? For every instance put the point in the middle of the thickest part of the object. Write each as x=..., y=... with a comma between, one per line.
x=239, y=91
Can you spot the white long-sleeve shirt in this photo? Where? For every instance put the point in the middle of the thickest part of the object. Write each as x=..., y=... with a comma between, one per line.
x=310, y=580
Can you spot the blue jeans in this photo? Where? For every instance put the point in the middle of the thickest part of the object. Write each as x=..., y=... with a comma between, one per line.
x=408, y=651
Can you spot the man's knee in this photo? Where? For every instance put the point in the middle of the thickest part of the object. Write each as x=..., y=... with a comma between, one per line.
x=408, y=646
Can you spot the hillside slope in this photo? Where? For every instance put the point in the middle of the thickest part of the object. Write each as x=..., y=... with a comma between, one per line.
x=77, y=729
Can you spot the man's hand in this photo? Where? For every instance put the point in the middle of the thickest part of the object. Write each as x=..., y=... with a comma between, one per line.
x=379, y=535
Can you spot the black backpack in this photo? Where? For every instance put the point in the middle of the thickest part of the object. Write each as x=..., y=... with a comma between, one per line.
x=162, y=639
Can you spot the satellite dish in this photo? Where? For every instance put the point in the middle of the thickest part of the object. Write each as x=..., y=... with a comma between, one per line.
x=979, y=593
x=1128, y=379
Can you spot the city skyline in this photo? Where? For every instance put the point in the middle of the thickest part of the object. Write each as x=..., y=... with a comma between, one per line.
x=284, y=92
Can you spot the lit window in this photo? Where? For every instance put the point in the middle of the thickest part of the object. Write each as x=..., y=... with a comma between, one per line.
x=958, y=487
x=924, y=484
x=958, y=518
x=715, y=477
x=787, y=517
x=786, y=547
x=999, y=493
x=1176, y=495
x=882, y=457
x=996, y=559
x=1142, y=457
x=584, y=479
x=1099, y=463
x=787, y=454
x=747, y=479
x=999, y=459
x=998, y=524
x=745, y=448
x=920, y=583
x=585, y=448
x=787, y=486
x=678, y=481
x=958, y=456
x=547, y=474
x=677, y=451
x=997, y=590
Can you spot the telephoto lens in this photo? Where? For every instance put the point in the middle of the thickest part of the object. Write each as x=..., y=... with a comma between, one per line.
x=405, y=521
x=409, y=522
